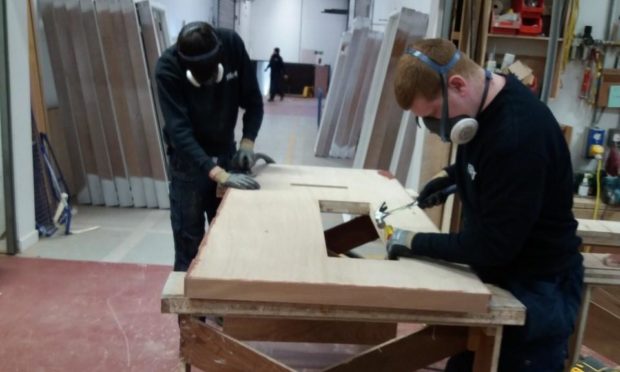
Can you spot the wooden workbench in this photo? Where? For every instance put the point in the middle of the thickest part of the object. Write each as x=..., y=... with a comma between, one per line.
x=598, y=326
x=272, y=271
x=447, y=333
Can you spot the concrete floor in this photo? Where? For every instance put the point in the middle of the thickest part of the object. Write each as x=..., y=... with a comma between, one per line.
x=136, y=235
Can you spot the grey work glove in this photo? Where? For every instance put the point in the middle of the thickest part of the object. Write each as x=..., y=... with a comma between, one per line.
x=432, y=194
x=234, y=180
x=244, y=159
x=399, y=244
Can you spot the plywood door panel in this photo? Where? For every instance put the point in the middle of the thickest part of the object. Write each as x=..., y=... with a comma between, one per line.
x=93, y=110
x=146, y=105
x=153, y=48
x=105, y=103
x=364, y=56
x=350, y=75
x=435, y=156
x=77, y=104
x=378, y=79
x=334, y=99
x=65, y=135
x=37, y=101
x=281, y=256
x=120, y=98
x=132, y=95
x=372, y=54
x=412, y=26
x=403, y=151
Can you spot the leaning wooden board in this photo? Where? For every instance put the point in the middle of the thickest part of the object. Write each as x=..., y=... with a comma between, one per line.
x=269, y=246
x=599, y=233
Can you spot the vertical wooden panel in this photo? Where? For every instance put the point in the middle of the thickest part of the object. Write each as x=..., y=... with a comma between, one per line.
x=58, y=55
x=37, y=99
x=372, y=50
x=85, y=88
x=383, y=115
x=364, y=56
x=404, y=151
x=333, y=101
x=78, y=105
x=62, y=150
x=116, y=67
x=107, y=111
x=153, y=47
x=351, y=94
x=63, y=132
x=145, y=106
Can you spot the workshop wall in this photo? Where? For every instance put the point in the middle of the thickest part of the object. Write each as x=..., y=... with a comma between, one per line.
x=567, y=107
x=179, y=13
x=295, y=26
x=17, y=31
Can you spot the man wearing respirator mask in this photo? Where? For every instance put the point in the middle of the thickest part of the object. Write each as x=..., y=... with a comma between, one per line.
x=514, y=175
x=202, y=81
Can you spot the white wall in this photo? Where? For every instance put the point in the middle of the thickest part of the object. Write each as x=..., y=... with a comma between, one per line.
x=242, y=23
x=321, y=32
x=294, y=25
x=382, y=9
x=181, y=12
x=567, y=107
x=17, y=30
x=275, y=23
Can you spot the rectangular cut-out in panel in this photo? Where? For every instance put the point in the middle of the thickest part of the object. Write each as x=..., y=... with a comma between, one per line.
x=280, y=255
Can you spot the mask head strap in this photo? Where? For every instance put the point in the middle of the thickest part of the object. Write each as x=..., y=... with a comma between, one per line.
x=442, y=70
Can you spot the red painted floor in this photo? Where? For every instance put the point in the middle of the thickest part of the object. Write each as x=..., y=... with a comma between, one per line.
x=58, y=315
x=84, y=316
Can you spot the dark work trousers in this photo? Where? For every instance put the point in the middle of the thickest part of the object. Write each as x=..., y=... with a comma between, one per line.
x=192, y=195
x=541, y=345
x=275, y=86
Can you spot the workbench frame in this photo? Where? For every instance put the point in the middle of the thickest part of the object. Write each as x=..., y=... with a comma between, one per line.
x=446, y=333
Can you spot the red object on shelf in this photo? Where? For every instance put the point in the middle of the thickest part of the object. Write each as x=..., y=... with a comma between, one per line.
x=531, y=26
x=528, y=7
x=504, y=27
x=531, y=16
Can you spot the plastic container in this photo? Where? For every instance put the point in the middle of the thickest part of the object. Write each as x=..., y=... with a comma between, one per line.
x=584, y=186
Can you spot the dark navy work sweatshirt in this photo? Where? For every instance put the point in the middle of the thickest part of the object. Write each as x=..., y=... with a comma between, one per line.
x=200, y=122
x=515, y=181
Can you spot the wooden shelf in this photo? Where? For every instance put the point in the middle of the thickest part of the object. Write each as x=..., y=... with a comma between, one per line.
x=520, y=37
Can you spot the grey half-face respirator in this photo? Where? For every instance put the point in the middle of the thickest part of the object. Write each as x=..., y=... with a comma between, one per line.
x=460, y=129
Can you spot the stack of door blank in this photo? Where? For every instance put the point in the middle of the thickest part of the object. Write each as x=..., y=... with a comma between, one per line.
x=107, y=112
x=362, y=118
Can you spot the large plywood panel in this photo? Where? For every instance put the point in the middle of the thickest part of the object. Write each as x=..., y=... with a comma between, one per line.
x=364, y=49
x=105, y=104
x=124, y=106
x=269, y=245
x=146, y=106
x=132, y=94
x=77, y=106
x=88, y=91
x=383, y=115
x=62, y=128
x=333, y=103
x=153, y=47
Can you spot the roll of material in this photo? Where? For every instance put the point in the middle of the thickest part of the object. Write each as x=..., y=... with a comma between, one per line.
x=498, y=6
